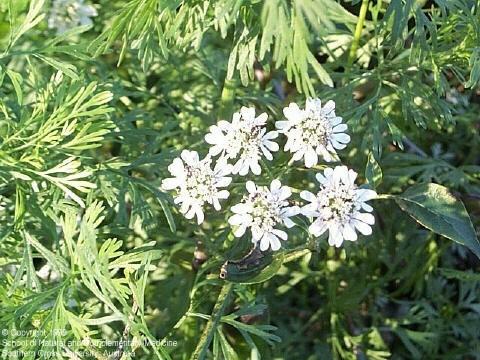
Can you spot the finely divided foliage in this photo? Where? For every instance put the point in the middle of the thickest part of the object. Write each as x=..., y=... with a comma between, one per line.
x=184, y=179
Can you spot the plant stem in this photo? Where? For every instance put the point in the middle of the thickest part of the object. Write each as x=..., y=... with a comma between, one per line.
x=226, y=101
x=207, y=335
x=357, y=35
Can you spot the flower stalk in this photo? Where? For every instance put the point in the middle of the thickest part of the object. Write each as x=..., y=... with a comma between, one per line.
x=357, y=34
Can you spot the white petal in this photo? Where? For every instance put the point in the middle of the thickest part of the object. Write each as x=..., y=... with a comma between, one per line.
x=89, y=10
x=367, y=207
x=341, y=137
x=364, y=228
x=280, y=233
x=328, y=107
x=223, y=181
x=274, y=242
x=176, y=167
x=171, y=183
x=261, y=119
x=223, y=194
x=288, y=223
x=320, y=178
x=349, y=233
x=335, y=236
x=298, y=155
x=216, y=204
x=268, y=155
x=257, y=233
x=340, y=128
x=365, y=195
x=190, y=157
x=200, y=215
x=317, y=228
x=251, y=188
x=325, y=153
x=244, y=169
x=240, y=231
x=282, y=125
x=275, y=185
x=238, y=166
x=338, y=174
x=256, y=169
x=285, y=193
x=270, y=135
x=247, y=113
x=290, y=211
x=313, y=104
x=272, y=146
x=212, y=138
x=309, y=210
x=353, y=175
x=264, y=243
x=307, y=195
x=293, y=112
x=344, y=176
x=215, y=150
x=241, y=208
x=365, y=217
x=236, y=219
x=311, y=158
x=335, y=120
x=337, y=145
x=328, y=172
x=224, y=125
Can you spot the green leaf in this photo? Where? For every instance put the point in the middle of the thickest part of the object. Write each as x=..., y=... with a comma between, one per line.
x=58, y=263
x=256, y=267
x=459, y=275
x=168, y=214
x=373, y=172
x=68, y=69
x=434, y=207
x=17, y=80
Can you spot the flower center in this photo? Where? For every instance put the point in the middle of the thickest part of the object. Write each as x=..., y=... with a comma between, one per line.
x=337, y=204
x=200, y=182
x=265, y=212
x=246, y=139
x=315, y=130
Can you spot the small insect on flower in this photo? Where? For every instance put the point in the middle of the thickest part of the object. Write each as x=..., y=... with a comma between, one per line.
x=245, y=138
x=337, y=206
x=261, y=210
x=67, y=14
x=196, y=183
x=313, y=131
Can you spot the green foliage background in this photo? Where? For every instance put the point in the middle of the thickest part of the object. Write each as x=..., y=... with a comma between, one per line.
x=90, y=119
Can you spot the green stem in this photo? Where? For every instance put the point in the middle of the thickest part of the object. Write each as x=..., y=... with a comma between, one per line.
x=385, y=197
x=357, y=35
x=296, y=254
x=207, y=335
x=226, y=100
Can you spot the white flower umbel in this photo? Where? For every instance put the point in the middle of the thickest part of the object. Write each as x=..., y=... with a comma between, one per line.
x=67, y=14
x=314, y=131
x=337, y=206
x=262, y=210
x=245, y=139
x=196, y=183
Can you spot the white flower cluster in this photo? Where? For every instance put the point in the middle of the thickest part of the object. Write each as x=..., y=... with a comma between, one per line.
x=339, y=206
x=245, y=140
x=67, y=14
x=197, y=183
